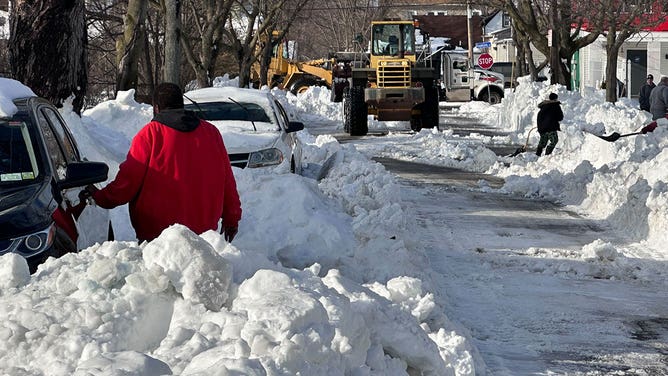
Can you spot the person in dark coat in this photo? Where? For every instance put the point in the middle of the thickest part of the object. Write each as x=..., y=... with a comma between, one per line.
x=645, y=90
x=549, y=116
x=658, y=99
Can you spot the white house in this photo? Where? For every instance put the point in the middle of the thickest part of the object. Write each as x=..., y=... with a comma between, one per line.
x=642, y=54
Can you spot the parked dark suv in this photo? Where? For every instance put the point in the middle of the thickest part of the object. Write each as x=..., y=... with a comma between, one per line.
x=41, y=174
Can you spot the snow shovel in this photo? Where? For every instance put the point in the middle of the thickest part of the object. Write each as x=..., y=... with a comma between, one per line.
x=523, y=148
x=616, y=136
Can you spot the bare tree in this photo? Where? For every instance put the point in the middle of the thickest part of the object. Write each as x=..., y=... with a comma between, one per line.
x=172, y=13
x=533, y=18
x=335, y=25
x=104, y=22
x=203, y=45
x=48, y=48
x=249, y=22
x=130, y=45
x=623, y=20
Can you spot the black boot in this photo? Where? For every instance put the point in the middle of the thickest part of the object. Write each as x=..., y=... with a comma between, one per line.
x=548, y=150
x=539, y=151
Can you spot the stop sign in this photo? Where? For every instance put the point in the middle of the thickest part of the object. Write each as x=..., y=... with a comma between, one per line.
x=485, y=61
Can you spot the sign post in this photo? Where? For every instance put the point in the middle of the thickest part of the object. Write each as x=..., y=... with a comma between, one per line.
x=485, y=61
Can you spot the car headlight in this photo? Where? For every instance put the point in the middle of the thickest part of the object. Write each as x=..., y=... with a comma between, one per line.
x=266, y=157
x=35, y=243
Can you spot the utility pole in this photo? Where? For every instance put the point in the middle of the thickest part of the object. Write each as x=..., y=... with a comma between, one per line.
x=469, y=15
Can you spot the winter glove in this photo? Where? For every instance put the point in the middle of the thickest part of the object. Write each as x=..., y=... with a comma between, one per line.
x=87, y=192
x=229, y=233
x=649, y=127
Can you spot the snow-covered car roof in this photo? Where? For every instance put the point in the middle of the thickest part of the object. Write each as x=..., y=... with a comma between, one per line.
x=261, y=98
x=214, y=94
x=10, y=90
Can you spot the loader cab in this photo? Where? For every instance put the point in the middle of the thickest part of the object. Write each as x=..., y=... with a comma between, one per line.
x=282, y=55
x=392, y=39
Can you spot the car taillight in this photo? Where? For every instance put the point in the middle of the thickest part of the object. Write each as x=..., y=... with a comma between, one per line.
x=490, y=79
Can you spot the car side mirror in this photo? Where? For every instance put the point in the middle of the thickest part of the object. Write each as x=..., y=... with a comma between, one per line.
x=80, y=174
x=295, y=126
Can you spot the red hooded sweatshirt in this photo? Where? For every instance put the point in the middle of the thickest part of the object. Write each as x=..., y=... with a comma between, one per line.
x=175, y=173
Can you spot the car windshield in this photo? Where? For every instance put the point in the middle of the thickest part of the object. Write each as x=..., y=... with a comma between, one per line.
x=236, y=113
x=18, y=161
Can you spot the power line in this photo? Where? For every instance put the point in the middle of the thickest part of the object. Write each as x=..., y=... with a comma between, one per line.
x=389, y=6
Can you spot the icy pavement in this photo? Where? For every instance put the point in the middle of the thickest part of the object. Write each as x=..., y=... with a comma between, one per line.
x=509, y=269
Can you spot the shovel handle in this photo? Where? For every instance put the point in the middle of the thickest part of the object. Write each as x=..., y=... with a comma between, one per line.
x=630, y=134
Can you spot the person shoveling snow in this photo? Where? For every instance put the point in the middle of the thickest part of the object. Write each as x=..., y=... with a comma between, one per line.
x=548, y=119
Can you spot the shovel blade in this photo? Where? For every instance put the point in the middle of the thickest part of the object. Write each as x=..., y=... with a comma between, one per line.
x=611, y=138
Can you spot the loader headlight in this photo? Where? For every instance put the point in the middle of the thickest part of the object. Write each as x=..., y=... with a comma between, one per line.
x=266, y=157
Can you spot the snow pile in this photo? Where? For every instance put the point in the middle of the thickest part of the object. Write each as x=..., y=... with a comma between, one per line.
x=314, y=105
x=445, y=149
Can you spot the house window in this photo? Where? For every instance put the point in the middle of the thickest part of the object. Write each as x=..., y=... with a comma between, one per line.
x=505, y=20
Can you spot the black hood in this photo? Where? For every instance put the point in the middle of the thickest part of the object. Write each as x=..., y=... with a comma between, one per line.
x=548, y=102
x=179, y=119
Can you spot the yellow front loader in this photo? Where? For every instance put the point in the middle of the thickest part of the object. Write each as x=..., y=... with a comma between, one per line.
x=394, y=82
x=288, y=73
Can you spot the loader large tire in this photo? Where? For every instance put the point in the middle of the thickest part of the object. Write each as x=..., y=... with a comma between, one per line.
x=429, y=112
x=346, y=110
x=302, y=84
x=430, y=109
x=355, y=112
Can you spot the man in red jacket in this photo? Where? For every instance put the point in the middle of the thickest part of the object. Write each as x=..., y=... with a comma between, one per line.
x=177, y=171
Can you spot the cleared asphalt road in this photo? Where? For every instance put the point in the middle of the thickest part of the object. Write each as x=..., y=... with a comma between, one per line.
x=525, y=316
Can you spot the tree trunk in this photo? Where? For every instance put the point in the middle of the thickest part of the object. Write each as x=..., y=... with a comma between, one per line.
x=150, y=77
x=47, y=48
x=129, y=46
x=267, y=49
x=172, y=43
x=611, y=73
x=520, y=57
x=244, y=71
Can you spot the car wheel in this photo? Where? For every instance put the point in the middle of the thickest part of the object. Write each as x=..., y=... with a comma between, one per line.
x=492, y=97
